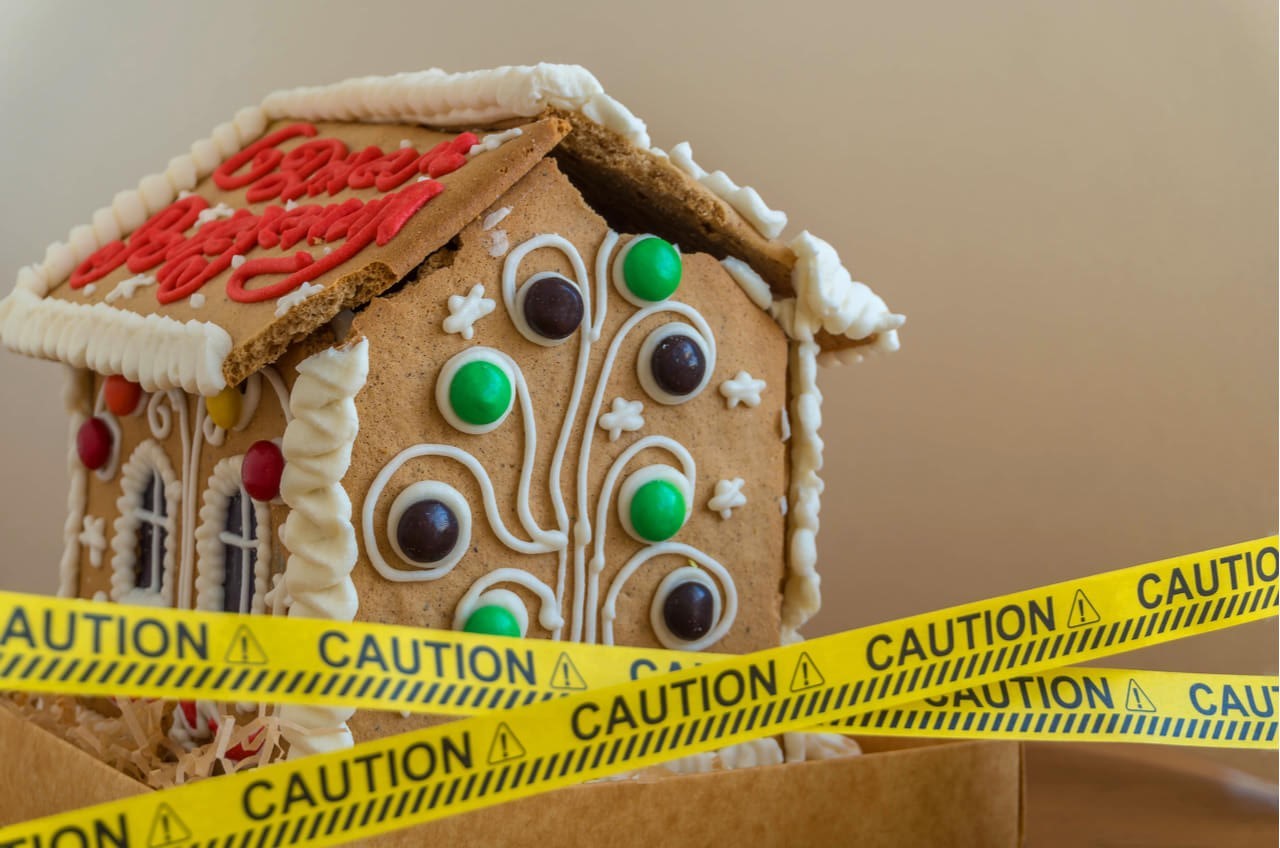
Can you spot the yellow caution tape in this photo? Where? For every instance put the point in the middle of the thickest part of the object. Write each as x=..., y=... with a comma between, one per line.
x=1093, y=705
x=416, y=777
x=85, y=648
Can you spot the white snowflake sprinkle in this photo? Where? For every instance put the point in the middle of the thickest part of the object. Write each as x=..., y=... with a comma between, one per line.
x=290, y=205
x=624, y=417
x=94, y=537
x=237, y=261
x=728, y=497
x=196, y=300
x=742, y=389
x=464, y=312
x=404, y=142
x=88, y=290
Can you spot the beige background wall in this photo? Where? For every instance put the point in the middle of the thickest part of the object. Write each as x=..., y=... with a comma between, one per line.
x=1074, y=203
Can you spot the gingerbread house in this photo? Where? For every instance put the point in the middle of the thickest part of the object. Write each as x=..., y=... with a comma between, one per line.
x=451, y=350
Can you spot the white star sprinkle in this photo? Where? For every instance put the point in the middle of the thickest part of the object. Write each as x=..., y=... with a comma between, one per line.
x=728, y=497
x=624, y=417
x=464, y=312
x=742, y=389
x=93, y=536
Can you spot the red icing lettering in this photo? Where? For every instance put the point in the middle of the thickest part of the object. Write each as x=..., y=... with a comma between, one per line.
x=185, y=261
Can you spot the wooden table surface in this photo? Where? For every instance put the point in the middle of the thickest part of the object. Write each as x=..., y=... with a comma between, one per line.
x=1102, y=796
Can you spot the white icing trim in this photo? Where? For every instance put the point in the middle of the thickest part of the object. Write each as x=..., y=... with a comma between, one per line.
x=728, y=497
x=743, y=388
x=749, y=281
x=451, y=498
x=474, y=98
x=644, y=369
x=610, y=611
x=827, y=298
x=684, y=574
x=76, y=398
x=224, y=482
x=154, y=351
x=801, y=597
x=745, y=200
x=466, y=310
x=147, y=459
x=318, y=533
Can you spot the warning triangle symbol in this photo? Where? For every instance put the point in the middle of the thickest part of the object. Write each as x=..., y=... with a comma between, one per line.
x=245, y=649
x=806, y=675
x=1137, y=700
x=505, y=746
x=566, y=676
x=167, y=829
x=1082, y=611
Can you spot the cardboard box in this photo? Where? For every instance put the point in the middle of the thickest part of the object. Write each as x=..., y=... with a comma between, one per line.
x=898, y=793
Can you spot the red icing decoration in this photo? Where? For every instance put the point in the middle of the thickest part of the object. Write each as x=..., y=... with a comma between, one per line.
x=261, y=470
x=184, y=262
x=191, y=713
x=121, y=395
x=93, y=443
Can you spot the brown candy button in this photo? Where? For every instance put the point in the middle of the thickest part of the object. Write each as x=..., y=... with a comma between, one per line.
x=427, y=531
x=678, y=364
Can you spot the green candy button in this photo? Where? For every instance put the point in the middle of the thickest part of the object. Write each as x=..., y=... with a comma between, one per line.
x=480, y=393
x=493, y=621
x=652, y=269
x=657, y=510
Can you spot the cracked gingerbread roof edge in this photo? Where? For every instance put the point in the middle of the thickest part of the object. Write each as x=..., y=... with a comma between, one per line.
x=821, y=297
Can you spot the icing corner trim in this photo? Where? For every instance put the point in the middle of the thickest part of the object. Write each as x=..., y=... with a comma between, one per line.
x=319, y=533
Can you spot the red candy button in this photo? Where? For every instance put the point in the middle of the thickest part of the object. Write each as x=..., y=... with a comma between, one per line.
x=122, y=395
x=261, y=470
x=93, y=443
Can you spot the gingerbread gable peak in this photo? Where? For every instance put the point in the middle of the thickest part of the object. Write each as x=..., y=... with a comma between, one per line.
x=55, y=312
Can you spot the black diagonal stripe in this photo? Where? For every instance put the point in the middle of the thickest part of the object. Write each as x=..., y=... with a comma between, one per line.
x=484, y=784
x=70, y=669
x=502, y=778
x=466, y=790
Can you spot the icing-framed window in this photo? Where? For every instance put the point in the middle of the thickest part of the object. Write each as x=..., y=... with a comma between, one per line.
x=233, y=544
x=145, y=537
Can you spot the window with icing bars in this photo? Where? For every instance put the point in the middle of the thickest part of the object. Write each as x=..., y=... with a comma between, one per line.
x=152, y=536
x=239, y=538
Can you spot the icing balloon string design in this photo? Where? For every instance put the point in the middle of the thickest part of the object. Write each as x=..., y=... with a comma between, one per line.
x=429, y=523
x=684, y=483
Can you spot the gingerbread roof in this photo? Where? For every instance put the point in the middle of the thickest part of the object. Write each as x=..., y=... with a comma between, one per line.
x=322, y=198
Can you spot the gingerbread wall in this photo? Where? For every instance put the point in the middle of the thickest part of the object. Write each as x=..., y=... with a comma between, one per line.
x=176, y=425
x=398, y=409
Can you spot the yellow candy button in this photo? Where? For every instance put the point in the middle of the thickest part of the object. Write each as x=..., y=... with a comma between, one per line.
x=224, y=407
